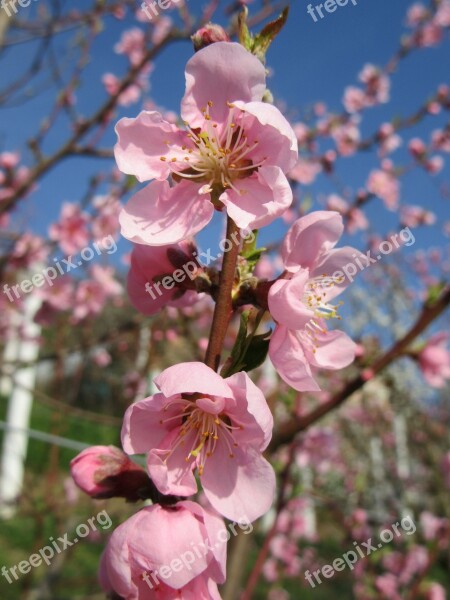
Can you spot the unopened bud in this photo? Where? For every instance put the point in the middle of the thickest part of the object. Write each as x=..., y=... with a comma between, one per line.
x=209, y=34
x=106, y=472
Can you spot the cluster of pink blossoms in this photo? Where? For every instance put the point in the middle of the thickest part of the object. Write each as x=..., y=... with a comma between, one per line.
x=202, y=427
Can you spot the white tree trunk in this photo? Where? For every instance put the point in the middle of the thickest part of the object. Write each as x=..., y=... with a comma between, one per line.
x=15, y=440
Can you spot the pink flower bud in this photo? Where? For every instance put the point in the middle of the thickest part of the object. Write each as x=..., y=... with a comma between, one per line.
x=106, y=472
x=209, y=34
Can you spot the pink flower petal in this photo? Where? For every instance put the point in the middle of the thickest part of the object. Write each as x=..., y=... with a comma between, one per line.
x=220, y=73
x=171, y=535
x=173, y=474
x=141, y=429
x=191, y=378
x=143, y=141
x=332, y=263
x=287, y=355
x=334, y=350
x=276, y=138
x=309, y=236
x=261, y=198
x=251, y=410
x=286, y=301
x=240, y=488
x=159, y=215
x=214, y=526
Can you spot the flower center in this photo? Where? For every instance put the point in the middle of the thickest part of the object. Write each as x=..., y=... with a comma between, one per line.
x=313, y=297
x=316, y=291
x=218, y=158
x=204, y=431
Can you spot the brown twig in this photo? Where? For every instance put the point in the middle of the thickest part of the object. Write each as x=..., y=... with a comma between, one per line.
x=224, y=304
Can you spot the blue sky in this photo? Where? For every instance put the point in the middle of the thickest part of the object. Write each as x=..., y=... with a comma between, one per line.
x=311, y=61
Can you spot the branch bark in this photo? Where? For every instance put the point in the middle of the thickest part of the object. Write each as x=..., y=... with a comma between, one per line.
x=224, y=304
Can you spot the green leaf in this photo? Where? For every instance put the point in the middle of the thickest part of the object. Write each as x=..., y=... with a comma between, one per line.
x=244, y=35
x=241, y=337
x=256, y=352
x=249, y=245
x=249, y=350
x=251, y=253
x=266, y=36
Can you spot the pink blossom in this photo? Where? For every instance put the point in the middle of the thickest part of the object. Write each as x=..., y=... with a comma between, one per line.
x=354, y=99
x=434, y=360
x=442, y=17
x=300, y=303
x=302, y=132
x=388, y=139
x=434, y=164
x=305, y=171
x=90, y=299
x=413, y=216
x=106, y=222
x=9, y=160
x=347, y=138
x=429, y=35
x=138, y=559
x=377, y=85
x=234, y=153
x=132, y=44
x=386, y=186
x=436, y=592
x=28, y=250
x=417, y=13
x=387, y=585
x=105, y=277
x=71, y=231
x=71, y=491
x=106, y=472
x=433, y=527
x=162, y=27
x=270, y=570
x=320, y=109
x=433, y=107
x=130, y=95
x=101, y=357
x=417, y=148
x=441, y=140
x=218, y=426
x=59, y=295
x=149, y=266
x=415, y=562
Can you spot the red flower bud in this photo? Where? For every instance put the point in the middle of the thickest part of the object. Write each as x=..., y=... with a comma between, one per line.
x=106, y=472
x=209, y=34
